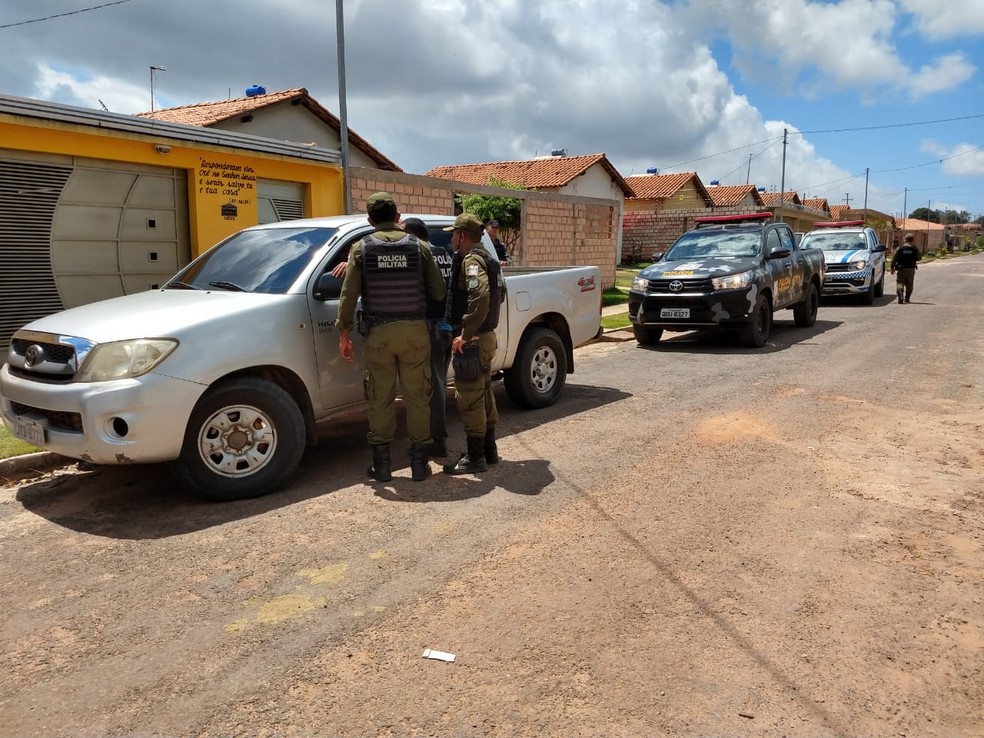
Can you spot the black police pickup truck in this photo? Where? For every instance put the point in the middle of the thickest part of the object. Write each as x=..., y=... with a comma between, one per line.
x=731, y=272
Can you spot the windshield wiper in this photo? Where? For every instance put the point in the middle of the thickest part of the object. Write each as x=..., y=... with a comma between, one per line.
x=180, y=286
x=223, y=285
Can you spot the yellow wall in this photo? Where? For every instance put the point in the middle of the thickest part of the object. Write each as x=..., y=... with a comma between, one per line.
x=217, y=175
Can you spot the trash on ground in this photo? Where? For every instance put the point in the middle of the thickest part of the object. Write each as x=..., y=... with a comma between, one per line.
x=430, y=653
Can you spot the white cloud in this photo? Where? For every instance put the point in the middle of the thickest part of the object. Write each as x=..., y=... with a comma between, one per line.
x=75, y=89
x=946, y=73
x=959, y=160
x=938, y=19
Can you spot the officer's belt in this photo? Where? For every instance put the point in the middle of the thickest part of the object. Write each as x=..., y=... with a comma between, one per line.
x=383, y=320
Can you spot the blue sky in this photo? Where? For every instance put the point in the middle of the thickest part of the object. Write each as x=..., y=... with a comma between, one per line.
x=893, y=87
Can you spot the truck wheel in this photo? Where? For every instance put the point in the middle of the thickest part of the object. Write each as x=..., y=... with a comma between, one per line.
x=647, y=336
x=868, y=298
x=805, y=313
x=540, y=371
x=243, y=439
x=880, y=287
x=756, y=333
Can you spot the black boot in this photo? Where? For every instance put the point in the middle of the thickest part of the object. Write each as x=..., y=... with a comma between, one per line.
x=419, y=468
x=491, y=451
x=438, y=448
x=472, y=461
x=380, y=469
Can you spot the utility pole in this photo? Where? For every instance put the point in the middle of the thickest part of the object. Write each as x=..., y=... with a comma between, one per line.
x=152, y=76
x=865, y=217
x=748, y=173
x=847, y=199
x=782, y=183
x=905, y=199
x=342, y=107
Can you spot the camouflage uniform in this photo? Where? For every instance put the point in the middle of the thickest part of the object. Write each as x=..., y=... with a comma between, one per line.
x=397, y=349
x=476, y=290
x=904, y=267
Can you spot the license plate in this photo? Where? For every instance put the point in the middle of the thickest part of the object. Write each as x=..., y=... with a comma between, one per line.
x=674, y=312
x=30, y=430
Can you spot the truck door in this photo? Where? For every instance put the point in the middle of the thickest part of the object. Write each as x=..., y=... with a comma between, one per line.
x=339, y=381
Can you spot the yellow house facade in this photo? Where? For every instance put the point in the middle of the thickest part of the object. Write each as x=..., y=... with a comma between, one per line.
x=96, y=205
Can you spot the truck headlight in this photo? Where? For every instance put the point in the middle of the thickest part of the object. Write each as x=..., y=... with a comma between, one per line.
x=859, y=265
x=640, y=284
x=124, y=359
x=732, y=281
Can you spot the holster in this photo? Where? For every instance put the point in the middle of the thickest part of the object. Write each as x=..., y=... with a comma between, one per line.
x=468, y=364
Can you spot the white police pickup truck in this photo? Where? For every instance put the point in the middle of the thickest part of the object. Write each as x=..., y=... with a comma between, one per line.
x=854, y=257
x=226, y=371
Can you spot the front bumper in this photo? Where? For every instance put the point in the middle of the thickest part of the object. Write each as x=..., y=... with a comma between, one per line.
x=718, y=309
x=847, y=283
x=123, y=421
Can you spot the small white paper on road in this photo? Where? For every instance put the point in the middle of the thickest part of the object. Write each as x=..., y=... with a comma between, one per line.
x=430, y=653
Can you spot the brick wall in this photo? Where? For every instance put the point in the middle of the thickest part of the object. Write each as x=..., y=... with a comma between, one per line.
x=646, y=232
x=557, y=230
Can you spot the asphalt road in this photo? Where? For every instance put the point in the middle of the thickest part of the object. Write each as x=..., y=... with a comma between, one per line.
x=698, y=539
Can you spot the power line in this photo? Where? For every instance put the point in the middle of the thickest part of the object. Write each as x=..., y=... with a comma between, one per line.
x=891, y=125
x=62, y=15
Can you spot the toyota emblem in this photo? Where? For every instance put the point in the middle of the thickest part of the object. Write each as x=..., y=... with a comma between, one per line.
x=33, y=356
x=676, y=286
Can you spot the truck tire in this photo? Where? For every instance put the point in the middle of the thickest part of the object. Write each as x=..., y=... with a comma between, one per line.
x=539, y=372
x=646, y=336
x=868, y=298
x=243, y=439
x=756, y=333
x=805, y=313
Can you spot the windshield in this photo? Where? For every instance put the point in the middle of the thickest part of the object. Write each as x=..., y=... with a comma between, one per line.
x=834, y=241
x=708, y=244
x=267, y=260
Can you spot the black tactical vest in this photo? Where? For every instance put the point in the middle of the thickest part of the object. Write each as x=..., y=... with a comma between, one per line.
x=497, y=293
x=393, y=278
x=443, y=257
x=458, y=300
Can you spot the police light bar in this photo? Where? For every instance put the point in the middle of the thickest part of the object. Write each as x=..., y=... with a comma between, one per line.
x=732, y=218
x=839, y=224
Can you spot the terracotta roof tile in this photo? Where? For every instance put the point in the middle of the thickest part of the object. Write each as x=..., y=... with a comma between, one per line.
x=836, y=211
x=772, y=199
x=658, y=186
x=533, y=174
x=731, y=195
x=817, y=203
x=210, y=113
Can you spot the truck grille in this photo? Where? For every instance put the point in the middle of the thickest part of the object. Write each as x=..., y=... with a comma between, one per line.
x=662, y=285
x=45, y=357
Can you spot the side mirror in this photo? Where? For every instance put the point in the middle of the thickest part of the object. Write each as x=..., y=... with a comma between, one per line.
x=779, y=252
x=658, y=256
x=328, y=288
x=879, y=248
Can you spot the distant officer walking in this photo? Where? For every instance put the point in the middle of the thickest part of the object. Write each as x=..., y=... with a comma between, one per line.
x=477, y=290
x=396, y=275
x=904, y=267
x=440, y=341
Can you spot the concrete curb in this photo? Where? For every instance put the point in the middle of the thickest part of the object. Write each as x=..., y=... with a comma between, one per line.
x=18, y=467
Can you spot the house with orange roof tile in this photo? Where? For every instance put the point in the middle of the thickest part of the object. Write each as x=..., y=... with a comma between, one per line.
x=817, y=203
x=683, y=191
x=736, y=196
x=287, y=115
x=590, y=175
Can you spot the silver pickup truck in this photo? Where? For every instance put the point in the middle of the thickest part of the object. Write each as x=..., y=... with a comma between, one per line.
x=226, y=371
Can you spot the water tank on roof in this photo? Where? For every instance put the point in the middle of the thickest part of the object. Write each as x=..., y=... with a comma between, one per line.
x=558, y=152
x=254, y=90
x=652, y=170
x=715, y=182
x=761, y=189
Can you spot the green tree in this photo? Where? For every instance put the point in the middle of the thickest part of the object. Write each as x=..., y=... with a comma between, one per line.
x=507, y=210
x=930, y=216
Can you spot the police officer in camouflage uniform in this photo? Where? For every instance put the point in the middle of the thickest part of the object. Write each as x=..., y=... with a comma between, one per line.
x=904, y=265
x=477, y=290
x=396, y=275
